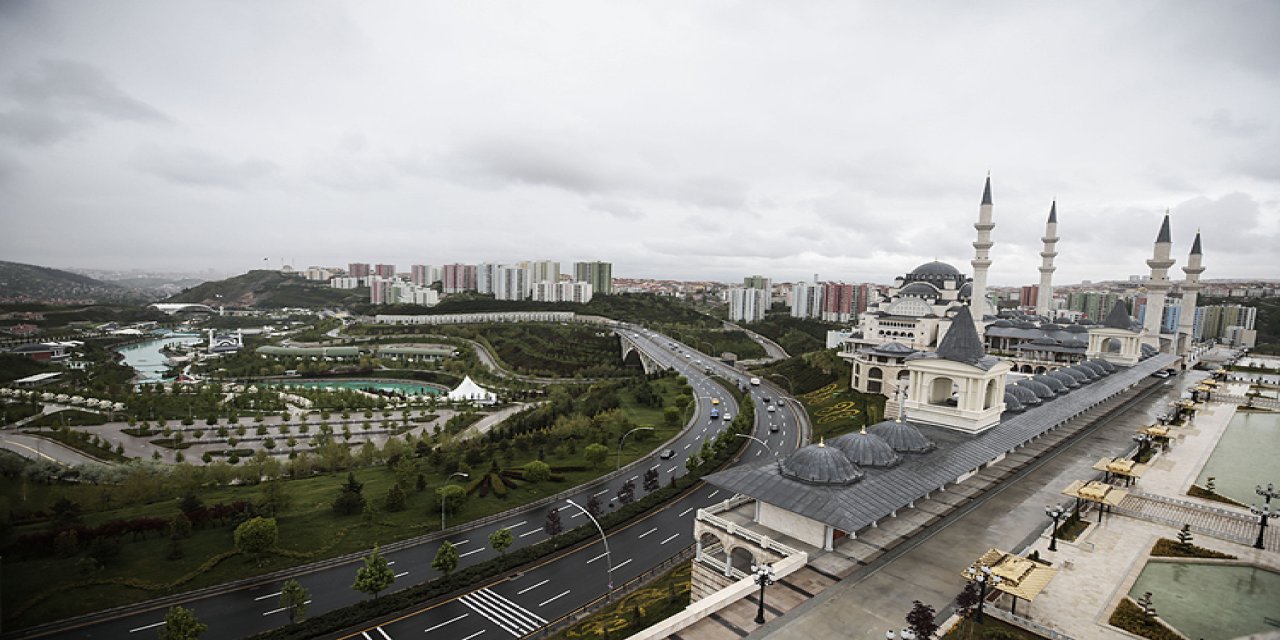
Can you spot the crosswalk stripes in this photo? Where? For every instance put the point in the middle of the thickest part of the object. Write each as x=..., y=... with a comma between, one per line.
x=513, y=618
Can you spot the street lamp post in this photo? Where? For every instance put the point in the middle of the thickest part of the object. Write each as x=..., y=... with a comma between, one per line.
x=1144, y=442
x=446, y=483
x=762, y=443
x=608, y=559
x=764, y=577
x=984, y=578
x=623, y=439
x=1056, y=512
x=790, y=387
x=1264, y=511
x=905, y=634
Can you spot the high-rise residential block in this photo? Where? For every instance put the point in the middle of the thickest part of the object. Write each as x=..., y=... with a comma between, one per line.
x=747, y=305
x=806, y=300
x=837, y=301
x=544, y=271
x=757, y=282
x=579, y=292
x=456, y=278
x=379, y=287
x=385, y=270
x=598, y=274
x=511, y=283
x=420, y=274
x=358, y=269
x=486, y=277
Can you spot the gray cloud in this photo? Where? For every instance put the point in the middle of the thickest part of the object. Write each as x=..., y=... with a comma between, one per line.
x=194, y=167
x=63, y=97
x=1224, y=122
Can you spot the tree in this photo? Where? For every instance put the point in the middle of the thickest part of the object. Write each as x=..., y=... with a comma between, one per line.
x=375, y=575
x=920, y=620
x=350, y=501
x=446, y=559
x=627, y=493
x=595, y=454
x=395, y=500
x=294, y=598
x=257, y=536
x=181, y=624
x=500, y=540
x=967, y=600
x=537, y=471
x=190, y=502
x=671, y=417
x=452, y=497
x=593, y=507
x=553, y=526
x=1184, y=538
x=274, y=497
x=651, y=481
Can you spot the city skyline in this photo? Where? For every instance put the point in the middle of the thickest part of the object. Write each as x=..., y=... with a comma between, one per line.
x=662, y=139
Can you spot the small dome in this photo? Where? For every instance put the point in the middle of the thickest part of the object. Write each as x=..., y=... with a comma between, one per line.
x=1106, y=366
x=966, y=290
x=1011, y=402
x=1054, y=384
x=935, y=268
x=1042, y=390
x=895, y=347
x=919, y=290
x=1065, y=378
x=820, y=464
x=1025, y=395
x=902, y=436
x=866, y=450
x=1077, y=328
x=1082, y=376
x=1091, y=365
x=1148, y=351
x=1004, y=324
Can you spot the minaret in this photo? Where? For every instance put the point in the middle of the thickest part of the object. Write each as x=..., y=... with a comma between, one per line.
x=1158, y=285
x=982, y=257
x=1190, y=288
x=1044, y=296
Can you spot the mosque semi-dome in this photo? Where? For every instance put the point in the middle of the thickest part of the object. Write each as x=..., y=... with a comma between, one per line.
x=820, y=464
x=920, y=290
x=935, y=268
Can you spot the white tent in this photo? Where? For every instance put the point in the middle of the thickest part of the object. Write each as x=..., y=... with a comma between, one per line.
x=469, y=391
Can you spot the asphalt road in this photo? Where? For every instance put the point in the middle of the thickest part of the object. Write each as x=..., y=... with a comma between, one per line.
x=514, y=606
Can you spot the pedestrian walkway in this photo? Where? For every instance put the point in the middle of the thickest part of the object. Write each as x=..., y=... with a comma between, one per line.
x=1228, y=525
x=738, y=619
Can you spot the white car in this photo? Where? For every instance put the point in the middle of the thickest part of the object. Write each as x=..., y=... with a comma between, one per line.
x=727, y=417
x=772, y=409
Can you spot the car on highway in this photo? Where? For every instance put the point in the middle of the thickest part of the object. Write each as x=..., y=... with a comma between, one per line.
x=667, y=454
x=1160, y=374
x=764, y=399
x=715, y=401
x=728, y=417
x=755, y=382
x=715, y=413
x=773, y=428
x=772, y=409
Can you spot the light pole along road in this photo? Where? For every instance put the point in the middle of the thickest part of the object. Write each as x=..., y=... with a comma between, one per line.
x=516, y=605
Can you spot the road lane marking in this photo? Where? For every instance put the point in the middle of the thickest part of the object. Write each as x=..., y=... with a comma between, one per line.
x=670, y=538
x=553, y=599
x=685, y=512
x=576, y=514
x=450, y=621
x=459, y=544
x=519, y=524
x=757, y=453
x=150, y=626
x=598, y=557
x=600, y=493
x=622, y=564
x=528, y=589
x=384, y=634
x=530, y=532
x=713, y=493
x=671, y=470
x=269, y=595
x=688, y=445
x=281, y=609
x=468, y=637
x=513, y=618
x=402, y=574
x=633, y=478
x=648, y=532
x=655, y=467
x=463, y=555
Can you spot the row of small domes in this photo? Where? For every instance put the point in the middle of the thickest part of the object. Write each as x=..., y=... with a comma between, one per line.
x=839, y=463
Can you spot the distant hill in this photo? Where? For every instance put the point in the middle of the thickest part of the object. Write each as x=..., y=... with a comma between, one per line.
x=30, y=283
x=270, y=289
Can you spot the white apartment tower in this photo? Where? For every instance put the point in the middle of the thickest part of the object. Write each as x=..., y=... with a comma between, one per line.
x=1044, y=296
x=806, y=300
x=511, y=283
x=544, y=271
x=747, y=305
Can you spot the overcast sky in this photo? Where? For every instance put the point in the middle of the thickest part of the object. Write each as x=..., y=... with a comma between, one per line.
x=680, y=139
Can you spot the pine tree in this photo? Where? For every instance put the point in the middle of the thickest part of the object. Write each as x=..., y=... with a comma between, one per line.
x=375, y=575
x=1184, y=538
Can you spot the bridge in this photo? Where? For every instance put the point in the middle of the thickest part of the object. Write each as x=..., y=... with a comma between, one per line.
x=630, y=346
x=1225, y=524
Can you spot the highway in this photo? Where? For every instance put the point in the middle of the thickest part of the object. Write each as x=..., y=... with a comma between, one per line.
x=516, y=605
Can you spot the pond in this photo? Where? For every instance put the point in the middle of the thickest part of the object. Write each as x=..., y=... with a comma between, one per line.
x=402, y=387
x=147, y=358
x=1212, y=601
x=1245, y=456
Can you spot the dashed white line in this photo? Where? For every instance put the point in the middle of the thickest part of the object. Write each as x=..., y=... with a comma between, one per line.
x=150, y=626
x=600, y=493
x=576, y=514
x=688, y=445
x=633, y=478
x=655, y=467
x=671, y=470
x=463, y=555
x=553, y=599
x=531, y=588
x=281, y=609
x=470, y=636
x=460, y=543
x=685, y=512
x=530, y=532
x=622, y=564
x=713, y=493
x=402, y=574
x=670, y=538
x=450, y=621
x=519, y=524
x=757, y=452
x=597, y=557
x=269, y=595
x=648, y=532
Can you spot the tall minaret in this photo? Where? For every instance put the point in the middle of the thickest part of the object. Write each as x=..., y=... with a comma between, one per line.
x=1158, y=285
x=1044, y=296
x=1190, y=288
x=982, y=258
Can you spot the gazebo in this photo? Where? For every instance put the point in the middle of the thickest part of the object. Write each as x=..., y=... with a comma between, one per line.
x=1095, y=491
x=1019, y=577
x=1130, y=470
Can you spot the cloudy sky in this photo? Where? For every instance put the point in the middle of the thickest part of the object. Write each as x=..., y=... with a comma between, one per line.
x=676, y=139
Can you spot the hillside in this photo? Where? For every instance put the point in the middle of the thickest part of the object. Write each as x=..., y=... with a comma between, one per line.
x=269, y=289
x=30, y=283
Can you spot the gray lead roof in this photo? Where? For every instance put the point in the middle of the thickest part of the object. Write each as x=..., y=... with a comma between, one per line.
x=1118, y=318
x=1164, y=231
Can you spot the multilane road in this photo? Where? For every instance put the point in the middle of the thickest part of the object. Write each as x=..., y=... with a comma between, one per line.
x=517, y=605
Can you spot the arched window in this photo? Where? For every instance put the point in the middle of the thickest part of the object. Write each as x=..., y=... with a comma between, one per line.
x=941, y=391
x=991, y=395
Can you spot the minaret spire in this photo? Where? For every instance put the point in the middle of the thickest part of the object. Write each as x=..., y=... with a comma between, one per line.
x=1044, y=295
x=1190, y=290
x=982, y=257
x=1159, y=284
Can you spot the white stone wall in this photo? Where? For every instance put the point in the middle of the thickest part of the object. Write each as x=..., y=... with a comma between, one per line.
x=792, y=524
